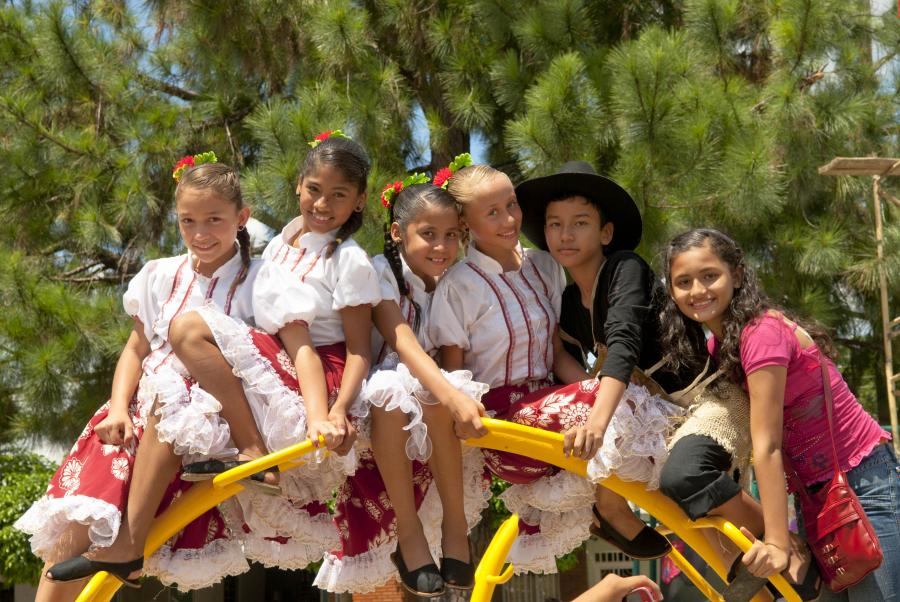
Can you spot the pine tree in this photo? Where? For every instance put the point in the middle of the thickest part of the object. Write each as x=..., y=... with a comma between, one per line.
x=711, y=112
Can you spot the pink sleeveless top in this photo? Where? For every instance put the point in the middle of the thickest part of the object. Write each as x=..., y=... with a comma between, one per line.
x=769, y=341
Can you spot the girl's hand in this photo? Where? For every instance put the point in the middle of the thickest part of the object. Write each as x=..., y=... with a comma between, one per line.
x=116, y=428
x=584, y=441
x=467, y=413
x=764, y=559
x=340, y=421
x=327, y=429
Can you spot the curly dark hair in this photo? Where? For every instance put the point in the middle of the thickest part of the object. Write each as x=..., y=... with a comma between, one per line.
x=682, y=338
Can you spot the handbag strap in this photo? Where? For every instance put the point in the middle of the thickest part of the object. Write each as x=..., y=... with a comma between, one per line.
x=792, y=475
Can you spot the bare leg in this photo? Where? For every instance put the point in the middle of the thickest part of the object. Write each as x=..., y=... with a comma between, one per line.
x=154, y=468
x=446, y=467
x=195, y=346
x=615, y=510
x=389, y=447
x=76, y=541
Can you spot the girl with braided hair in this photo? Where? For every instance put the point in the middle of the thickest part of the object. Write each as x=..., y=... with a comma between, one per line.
x=294, y=528
x=387, y=513
x=124, y=467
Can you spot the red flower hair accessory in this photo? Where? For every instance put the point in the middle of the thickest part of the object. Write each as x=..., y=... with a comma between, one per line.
x=325, y=136
x=444, y=174
x=390, y=192
x=192, y=161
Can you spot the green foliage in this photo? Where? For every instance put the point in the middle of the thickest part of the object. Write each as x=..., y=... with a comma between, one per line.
x=23, y=479
x=710, y=112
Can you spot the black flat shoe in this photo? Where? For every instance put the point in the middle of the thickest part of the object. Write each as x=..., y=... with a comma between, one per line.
x=425, y=582
x=457, y=574
x=646, y=545
x=209, y=469
x=80, y=567
x=742, y=584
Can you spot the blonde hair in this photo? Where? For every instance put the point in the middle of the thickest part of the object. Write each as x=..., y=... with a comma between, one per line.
x=462, y=184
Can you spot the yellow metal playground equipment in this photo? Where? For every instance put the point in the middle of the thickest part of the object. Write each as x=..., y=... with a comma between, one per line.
x=506, y=436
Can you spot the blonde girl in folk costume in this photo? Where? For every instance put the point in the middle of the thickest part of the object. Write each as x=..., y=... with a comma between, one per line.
x=84, y=511
x=496, y=313
x=293, y=529
x=414, y=409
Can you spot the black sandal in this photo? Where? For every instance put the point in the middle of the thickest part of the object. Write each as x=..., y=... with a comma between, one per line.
x=648, y=544
x=425, y=581
x=209, y=469
x=742, y=584
x=80, y=567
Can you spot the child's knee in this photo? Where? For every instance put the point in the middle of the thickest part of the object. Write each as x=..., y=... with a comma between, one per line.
x=186, y=328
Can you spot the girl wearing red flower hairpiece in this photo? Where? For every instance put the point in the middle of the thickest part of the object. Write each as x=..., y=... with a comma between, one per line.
x=153, y=393
x=389, y=516
x=293, y=529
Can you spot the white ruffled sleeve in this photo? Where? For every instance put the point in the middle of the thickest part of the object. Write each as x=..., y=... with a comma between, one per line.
x=140, y=300
x=451, y=315
x=386, y=279
x=356, y=282
x=280, y=298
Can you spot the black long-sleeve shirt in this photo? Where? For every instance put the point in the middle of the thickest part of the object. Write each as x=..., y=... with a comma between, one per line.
x=623, y=318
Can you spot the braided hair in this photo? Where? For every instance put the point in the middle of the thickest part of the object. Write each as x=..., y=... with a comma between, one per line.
x=224, y=181
x=404, y=210
x=353, y=162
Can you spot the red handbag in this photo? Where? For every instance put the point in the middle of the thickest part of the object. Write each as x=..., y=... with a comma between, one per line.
x=838, y=531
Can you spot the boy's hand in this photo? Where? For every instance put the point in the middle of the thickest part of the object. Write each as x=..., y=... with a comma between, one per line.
x=116, y=428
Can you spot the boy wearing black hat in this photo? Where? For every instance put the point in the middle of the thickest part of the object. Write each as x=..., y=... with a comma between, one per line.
x=591, y=225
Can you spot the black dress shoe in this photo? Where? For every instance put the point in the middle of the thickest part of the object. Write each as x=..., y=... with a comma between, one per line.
x=457, y=574
x=425, y=582
x=80, y=567
x=646, y=545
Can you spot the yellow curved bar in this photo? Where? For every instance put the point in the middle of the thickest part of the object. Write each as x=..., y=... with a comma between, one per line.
x=735, y=535
x=490, y=571
x=195, y=501
x=547, y=446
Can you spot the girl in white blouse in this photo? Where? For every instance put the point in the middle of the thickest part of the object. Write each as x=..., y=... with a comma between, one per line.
x=85, y=505
x=293, y=529
x=496, y=313
x=387, y=510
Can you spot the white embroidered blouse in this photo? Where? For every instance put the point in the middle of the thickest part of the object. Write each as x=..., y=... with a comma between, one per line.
x=390, y=291
x=503, y=321
x=166, y=288
x=346, y=279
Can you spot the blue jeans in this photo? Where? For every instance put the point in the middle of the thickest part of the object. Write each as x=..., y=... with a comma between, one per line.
x=876, y=481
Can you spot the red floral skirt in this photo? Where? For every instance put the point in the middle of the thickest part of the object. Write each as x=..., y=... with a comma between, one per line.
x=293, y=529
x=91, y=488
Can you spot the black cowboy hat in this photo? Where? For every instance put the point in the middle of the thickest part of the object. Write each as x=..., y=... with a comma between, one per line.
x=579, y=178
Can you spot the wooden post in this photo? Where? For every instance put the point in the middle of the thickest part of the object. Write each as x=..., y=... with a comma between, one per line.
x=886, y=329
x=877, y=167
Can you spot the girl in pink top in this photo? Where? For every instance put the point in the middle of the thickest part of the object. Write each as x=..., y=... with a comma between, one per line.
x=777, y=361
